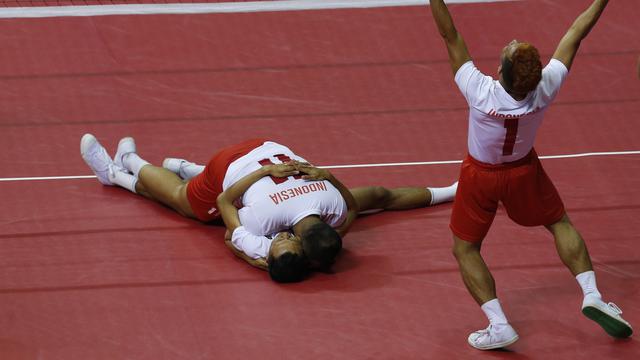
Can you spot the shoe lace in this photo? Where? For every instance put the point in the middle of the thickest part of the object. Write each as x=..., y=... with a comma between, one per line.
x=615, y=308
x=99, y=155
x=483, y=334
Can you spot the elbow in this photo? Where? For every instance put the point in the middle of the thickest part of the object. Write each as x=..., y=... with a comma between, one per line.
x=448, y=32
x=450, y=37
x=221, y=199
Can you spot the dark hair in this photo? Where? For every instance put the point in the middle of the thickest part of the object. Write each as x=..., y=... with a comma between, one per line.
x=288, y=267
x=523, y=72
x=321, y=243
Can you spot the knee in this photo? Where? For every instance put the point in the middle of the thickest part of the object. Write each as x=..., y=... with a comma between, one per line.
x=462, y=249
x=178, y=200
x=381, y=195
x=564, y=224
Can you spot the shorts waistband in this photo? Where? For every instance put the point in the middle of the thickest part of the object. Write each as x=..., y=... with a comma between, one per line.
x=508, y=165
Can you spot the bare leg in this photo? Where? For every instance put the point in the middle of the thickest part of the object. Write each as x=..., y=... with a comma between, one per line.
x=475, y=273
x=378, y=197
x=161, y=185
x=570, y=246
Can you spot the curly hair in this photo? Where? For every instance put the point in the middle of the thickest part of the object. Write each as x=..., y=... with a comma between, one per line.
x=321, y=243
x=523, y=71
x=288, y=267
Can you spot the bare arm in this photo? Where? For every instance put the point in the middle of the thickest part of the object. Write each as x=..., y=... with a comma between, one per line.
x=568, y=46
x=259, y=263
x=229, y=212
x=225, y=200
x=314, y=173
x=458, y=53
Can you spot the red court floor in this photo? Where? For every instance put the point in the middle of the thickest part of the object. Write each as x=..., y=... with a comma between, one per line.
x=94, y=272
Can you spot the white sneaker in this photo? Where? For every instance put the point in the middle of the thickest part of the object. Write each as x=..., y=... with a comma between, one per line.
x=185, y=169
x=96, y=157
x=607, y=316
x=173, y=164
x=125, y=146
x=493, y=337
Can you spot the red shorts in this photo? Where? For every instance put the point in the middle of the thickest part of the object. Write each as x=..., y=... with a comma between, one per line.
x=203, y=190
x=522, y=186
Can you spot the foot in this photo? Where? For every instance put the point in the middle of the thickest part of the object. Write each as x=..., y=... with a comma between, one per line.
x=96, y=157
x=607, y=316
x=173, y=164
x=185, y=169
x=493, y=337
x=125, y=146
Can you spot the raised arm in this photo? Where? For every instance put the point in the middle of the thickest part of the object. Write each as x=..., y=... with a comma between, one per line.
x=458, y=53
x=568, y=46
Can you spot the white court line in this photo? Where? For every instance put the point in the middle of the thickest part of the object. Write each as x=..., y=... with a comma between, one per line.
x=208, y=8
x=444, y=162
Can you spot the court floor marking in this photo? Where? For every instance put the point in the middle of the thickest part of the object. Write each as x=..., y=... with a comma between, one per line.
x=210, y=8
x=355, y=166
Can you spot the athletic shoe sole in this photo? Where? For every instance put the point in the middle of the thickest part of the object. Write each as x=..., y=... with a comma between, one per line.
x=611, y=325
x=87, y=141
x=498, y=345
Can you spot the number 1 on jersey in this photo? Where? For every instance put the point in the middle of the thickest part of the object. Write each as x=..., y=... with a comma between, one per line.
x=283, y=158
x=510, y=139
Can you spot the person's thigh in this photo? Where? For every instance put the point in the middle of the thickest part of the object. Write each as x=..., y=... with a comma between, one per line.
x=475, y=204
x=167, y=188
x=531, y=198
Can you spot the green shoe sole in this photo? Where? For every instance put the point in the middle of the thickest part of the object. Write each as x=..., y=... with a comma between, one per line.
x=611, y=325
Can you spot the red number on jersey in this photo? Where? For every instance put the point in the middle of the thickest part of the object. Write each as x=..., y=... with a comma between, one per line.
x=510, y=139
x=283, y=158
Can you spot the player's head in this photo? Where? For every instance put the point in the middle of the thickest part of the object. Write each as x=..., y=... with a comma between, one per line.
x=286, y=259
x=321, y=244
x=520, y=68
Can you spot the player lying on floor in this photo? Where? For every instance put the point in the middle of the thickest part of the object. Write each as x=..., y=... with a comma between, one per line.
x=257, y=188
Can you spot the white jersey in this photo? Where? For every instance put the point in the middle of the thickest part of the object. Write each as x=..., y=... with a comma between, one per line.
x=502, y=129
x=272, y=205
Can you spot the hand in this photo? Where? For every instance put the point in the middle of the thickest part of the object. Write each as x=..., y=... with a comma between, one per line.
x=282, y=170
x=313, y=173
x=261, y=262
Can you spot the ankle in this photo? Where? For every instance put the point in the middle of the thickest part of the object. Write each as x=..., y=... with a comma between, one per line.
x=493, y=310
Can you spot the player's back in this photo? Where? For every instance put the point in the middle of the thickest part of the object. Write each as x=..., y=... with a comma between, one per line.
x=275, y=204
x=502, y=129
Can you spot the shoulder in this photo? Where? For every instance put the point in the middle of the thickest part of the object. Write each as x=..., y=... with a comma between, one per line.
x=465, y=71
x=475, y=86
x=555, y=70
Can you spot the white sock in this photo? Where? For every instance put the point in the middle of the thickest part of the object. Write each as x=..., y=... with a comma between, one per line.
x=587, y=281
x=125, y=180
x=494, y=313
x=133, y=163
x=190, y=170
x=443, y=194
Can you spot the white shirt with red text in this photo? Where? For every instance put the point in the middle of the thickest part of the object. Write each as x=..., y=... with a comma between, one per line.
x=502, y=129
x=272, y=205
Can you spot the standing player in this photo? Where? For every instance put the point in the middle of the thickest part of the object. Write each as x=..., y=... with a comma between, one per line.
x=265, y=180
x=502, y=166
